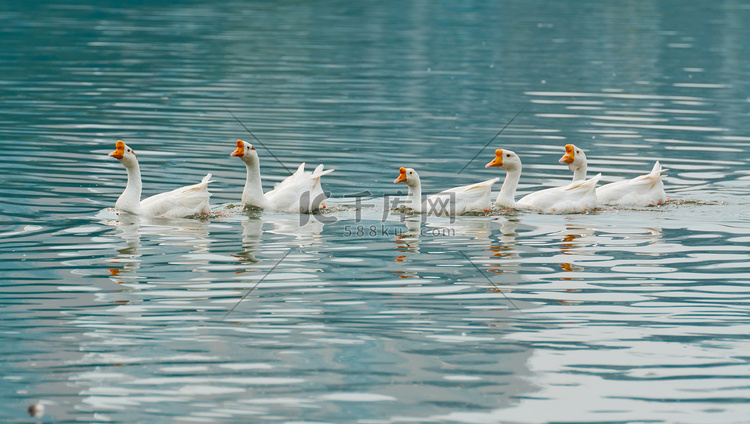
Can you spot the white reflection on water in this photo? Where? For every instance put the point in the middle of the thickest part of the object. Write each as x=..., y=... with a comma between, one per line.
x=621, y=315
x=599, y=297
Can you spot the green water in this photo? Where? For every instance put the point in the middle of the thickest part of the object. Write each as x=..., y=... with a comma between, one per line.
x=356, y=315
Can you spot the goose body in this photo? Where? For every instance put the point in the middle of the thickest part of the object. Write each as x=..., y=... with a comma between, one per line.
x=576, y=197
x=300, y=192
x=644, y=190
x=178, y=203
x=454, y=201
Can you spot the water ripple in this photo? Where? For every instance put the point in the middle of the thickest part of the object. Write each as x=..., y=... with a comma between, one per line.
x=618, y=315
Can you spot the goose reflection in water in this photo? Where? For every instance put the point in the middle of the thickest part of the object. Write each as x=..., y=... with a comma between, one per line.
x=507, y=248
x=441, y=232
x=305, y=233
x=574, y=242
x=128, y=229
x=582, y=242
x=189, y=233
x=407, y=243
x=252, y=230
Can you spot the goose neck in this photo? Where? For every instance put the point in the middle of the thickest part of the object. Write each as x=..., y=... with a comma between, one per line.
x=579, y=172
x=507, y=194
x=414, y=197
x=253, y=194
x=130, y=199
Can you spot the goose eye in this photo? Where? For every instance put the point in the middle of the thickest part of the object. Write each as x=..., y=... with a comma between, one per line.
x=507, y=155
x=130, y=150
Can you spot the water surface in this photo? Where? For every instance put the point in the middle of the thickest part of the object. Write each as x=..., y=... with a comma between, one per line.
x=360, y=316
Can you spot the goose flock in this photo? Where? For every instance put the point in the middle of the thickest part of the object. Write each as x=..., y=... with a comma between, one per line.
x=301, y=192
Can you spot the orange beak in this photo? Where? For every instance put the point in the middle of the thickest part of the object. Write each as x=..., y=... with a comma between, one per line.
x=570, y=154
x=401, y=176
x=498, y=161
x=240, y=152
x=119, y=152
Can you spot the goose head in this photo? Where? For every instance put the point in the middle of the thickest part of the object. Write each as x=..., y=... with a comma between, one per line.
x=505, y=159
x=574, y=157
x=408, y=176
x=124, y=154
x=246, y=152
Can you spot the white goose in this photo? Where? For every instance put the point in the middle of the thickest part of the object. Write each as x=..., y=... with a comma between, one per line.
x=457, y=200
x=298, y=193
x=179, y=203
x=644, y=190
x=576, y=197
